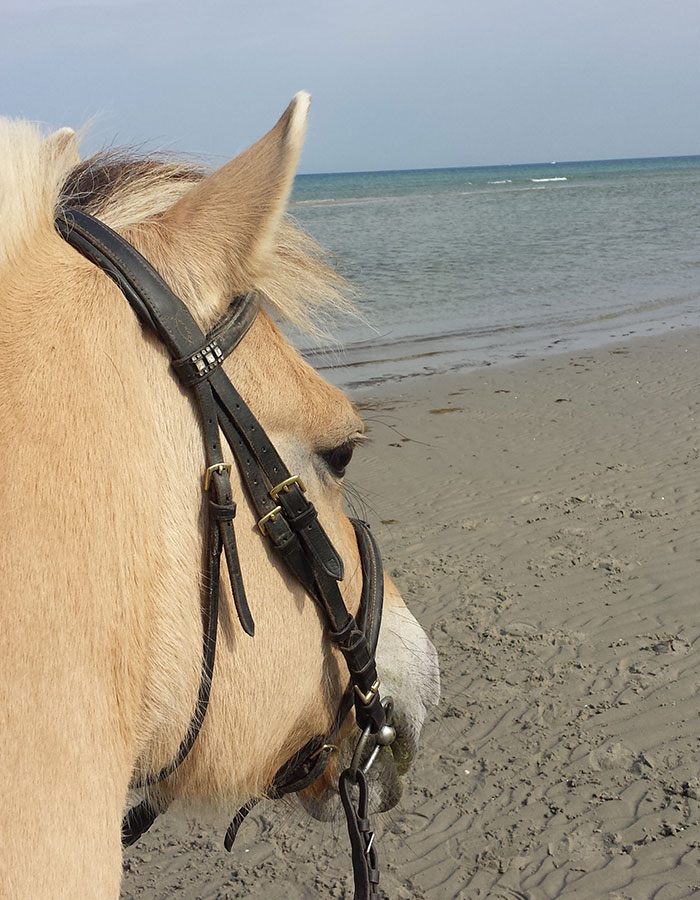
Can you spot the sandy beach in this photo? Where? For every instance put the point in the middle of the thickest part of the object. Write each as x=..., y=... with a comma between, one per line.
x=541, y=521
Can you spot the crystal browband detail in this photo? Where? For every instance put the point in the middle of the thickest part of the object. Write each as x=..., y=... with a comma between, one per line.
x=208, y=358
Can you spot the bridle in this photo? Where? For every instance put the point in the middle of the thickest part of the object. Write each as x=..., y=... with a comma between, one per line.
x=285, y=517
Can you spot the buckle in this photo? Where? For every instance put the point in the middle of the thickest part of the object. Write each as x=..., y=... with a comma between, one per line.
x=285, y=486
x=270, y=517
x=217, y=467
x=370, y=695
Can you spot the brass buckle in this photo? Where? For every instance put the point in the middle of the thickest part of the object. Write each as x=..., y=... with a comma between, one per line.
x=217, y=467
x=285, y=486
x=270, y=517
x=370, y=695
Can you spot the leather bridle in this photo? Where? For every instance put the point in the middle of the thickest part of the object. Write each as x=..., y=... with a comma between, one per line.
x=285, y=517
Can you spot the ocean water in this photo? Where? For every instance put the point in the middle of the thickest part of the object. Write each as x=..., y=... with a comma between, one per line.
x=464, y=267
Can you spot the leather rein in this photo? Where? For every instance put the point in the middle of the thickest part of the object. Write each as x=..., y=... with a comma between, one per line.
x=285, y=517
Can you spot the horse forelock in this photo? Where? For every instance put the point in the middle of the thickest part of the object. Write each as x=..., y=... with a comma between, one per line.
x=123, y=188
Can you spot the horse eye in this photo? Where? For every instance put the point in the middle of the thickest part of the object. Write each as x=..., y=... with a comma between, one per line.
x=339, y=458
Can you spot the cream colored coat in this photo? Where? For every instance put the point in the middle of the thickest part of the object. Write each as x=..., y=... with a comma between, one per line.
x=100, y=629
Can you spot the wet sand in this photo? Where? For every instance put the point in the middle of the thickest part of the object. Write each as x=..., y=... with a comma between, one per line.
x=542, y=522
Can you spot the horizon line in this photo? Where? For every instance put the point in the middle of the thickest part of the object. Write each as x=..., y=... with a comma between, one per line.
x=563, y=162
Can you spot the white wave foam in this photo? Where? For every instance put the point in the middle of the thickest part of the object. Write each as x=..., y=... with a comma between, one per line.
x=505, y=181
x=558, y=178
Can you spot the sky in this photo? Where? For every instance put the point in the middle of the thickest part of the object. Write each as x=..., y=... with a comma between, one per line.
x=396, y=84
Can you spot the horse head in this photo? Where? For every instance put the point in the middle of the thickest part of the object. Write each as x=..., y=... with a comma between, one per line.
x=101, y=639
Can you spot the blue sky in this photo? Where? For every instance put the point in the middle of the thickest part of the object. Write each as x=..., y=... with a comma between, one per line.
x=395, y=83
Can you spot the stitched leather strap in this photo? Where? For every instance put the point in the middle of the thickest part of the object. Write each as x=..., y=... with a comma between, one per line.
x=291, y=524
x=303, y=542
x=163, y=311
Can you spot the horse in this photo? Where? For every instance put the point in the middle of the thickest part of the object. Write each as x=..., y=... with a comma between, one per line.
x=103, y=523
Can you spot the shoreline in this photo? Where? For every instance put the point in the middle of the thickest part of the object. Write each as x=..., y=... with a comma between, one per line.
x=361, y=365
x=541, y=520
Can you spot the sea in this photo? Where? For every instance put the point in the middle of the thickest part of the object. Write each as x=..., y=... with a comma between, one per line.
x=465, y=267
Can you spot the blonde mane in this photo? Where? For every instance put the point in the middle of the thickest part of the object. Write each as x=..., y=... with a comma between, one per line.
x=124, y=189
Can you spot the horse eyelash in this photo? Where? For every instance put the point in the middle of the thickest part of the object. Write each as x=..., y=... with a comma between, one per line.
x=354, y=440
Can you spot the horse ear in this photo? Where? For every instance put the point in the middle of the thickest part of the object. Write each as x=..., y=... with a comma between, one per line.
x=230, y=219
x=63, y=145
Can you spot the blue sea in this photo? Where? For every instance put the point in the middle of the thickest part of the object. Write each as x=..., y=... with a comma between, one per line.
x=458, y=268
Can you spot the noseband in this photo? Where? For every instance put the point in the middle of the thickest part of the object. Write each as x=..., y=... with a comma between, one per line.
x=286, y=518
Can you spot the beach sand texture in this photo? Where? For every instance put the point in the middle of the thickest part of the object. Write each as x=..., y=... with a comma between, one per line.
x=542, y=522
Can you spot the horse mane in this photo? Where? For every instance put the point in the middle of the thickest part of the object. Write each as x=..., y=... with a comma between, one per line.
x=123, y=187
